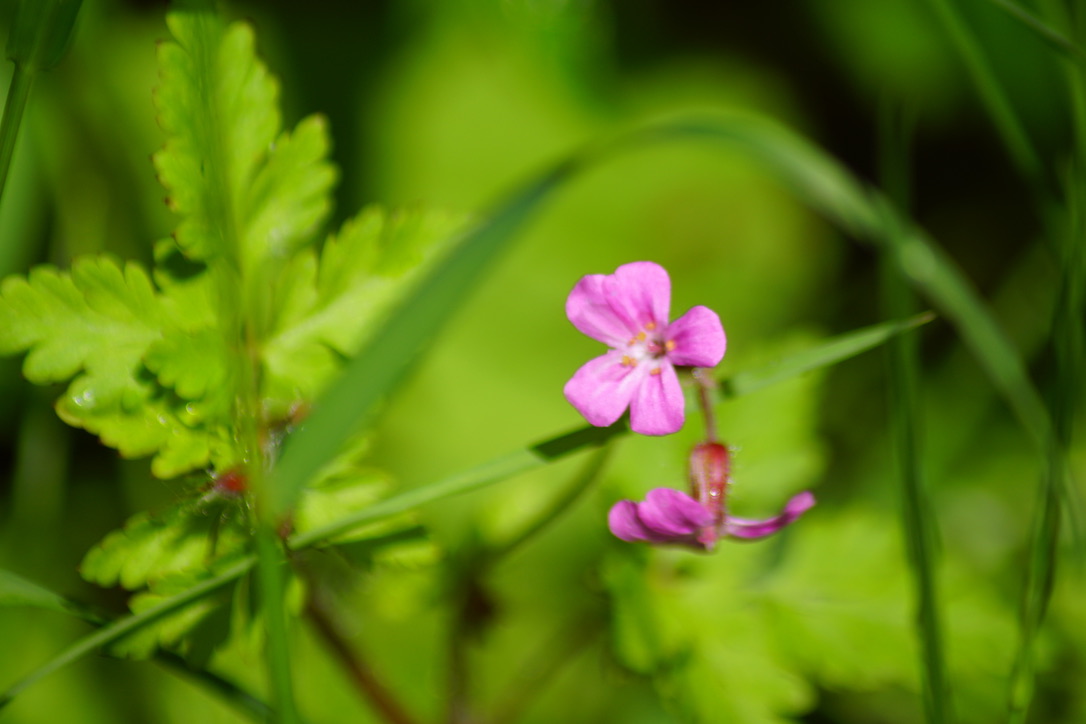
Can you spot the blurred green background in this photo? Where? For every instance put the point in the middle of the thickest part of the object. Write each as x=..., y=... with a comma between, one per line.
x=450, y=104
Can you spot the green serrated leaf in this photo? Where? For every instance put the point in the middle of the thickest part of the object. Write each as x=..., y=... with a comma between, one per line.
x=329, y=308
x=289, y=196
x=193, y=364
x=218, y=104
x=194, y=631
x=99, y=318
x=182, y=540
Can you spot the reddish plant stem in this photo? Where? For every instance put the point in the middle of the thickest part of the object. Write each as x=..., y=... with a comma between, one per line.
x=706, y=384
x=363, y=677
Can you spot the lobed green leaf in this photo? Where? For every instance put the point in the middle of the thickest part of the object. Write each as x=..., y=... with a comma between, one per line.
x=329, y=305
x=218, y=105
x=184, y=539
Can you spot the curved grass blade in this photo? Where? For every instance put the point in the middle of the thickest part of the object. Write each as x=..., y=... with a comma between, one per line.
x=1006, y=121
x=272, y=585
x=1054, y=38
x=241, y=700
x=41, y=31
x=121, y=627
x=919, y=523
x=831, y=190
x=18, y=591
x=826, y=354
x=383, y=361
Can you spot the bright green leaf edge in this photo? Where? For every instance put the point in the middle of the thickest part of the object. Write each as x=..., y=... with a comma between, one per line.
x=837, y=349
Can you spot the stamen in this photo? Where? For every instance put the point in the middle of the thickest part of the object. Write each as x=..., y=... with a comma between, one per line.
x=655, y=371
x=669, y=345
x=628, y=361
x=650, y=326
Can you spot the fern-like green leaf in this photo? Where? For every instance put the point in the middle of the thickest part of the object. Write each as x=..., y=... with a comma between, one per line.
x=98, y=319
x=243, y=189
x=218, y=106
x=328, y=305
x=182, y=540
x=106, y=327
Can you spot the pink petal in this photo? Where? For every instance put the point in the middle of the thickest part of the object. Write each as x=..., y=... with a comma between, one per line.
x=613, y=308
x=657, y=407
x=602, y=388
x=699, y=339
x=672, y=515
x=745, y=528
x=641, y=291
x=624, y=523
x=590, y=310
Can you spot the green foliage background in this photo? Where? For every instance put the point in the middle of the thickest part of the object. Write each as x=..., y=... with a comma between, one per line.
x=447, y=106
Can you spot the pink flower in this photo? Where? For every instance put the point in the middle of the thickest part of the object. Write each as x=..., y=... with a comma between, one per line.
x=671, y=516
x=628, y=311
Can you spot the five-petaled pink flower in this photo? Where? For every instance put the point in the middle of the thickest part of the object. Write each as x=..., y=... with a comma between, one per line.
x=671, y=516
x=628, y=311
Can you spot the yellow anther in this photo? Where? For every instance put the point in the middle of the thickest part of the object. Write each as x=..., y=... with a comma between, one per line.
x=627, y=361
x=655, y=371
x=640, y=337
x=650, y=326
x=669, y=345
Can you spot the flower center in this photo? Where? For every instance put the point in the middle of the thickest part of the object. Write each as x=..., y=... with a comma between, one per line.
x=648, y=345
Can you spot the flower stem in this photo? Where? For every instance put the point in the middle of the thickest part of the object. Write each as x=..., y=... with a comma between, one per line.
x=363, y=677
x=706, y=385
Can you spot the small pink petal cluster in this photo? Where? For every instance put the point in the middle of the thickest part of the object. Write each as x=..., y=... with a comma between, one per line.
x=628, y=311
x=698, y=521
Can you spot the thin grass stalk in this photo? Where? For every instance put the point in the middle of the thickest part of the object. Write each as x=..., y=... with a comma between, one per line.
x=270, y=573
x=1042, y=30
x=918, y=520
x=1006, y=121
x=14, y=108
x=1064, y=390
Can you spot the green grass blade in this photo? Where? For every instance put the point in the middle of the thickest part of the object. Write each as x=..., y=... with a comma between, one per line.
x=18, y=93
x=270, y=569
x=1066, y=355
x=919, y=522
x=1054, y=38
x=991, y=92
x=124, y=626
x=18, y=591
x=384, y=360
x=239, y=699
x=831, y=190
x=824, y=355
